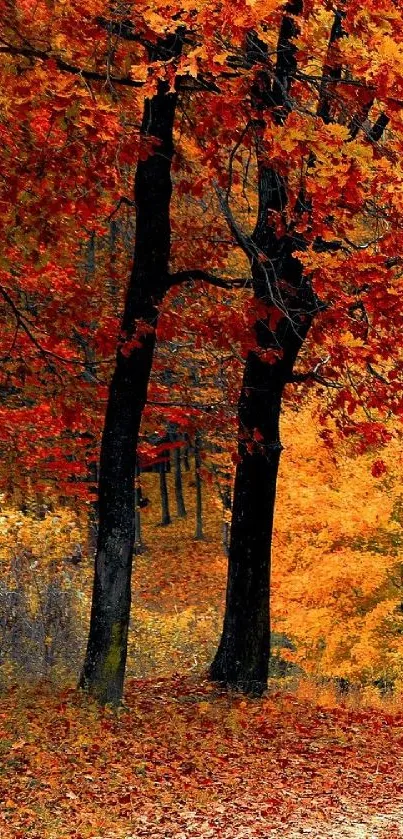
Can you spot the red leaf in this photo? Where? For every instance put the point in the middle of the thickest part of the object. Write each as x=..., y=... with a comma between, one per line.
x=378, y=468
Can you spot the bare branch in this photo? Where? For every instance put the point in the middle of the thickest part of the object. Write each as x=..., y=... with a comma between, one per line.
x=21, y=322
x=377, y=375
x=122, y=200
x=206, y=407
x=184, y=82
x=315, y=376
x=206, y=277
x=232, y=156
x=244, y=241
x=42, y=55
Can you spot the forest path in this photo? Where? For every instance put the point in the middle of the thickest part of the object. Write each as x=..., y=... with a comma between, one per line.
x=380, y=826
x=346, y=826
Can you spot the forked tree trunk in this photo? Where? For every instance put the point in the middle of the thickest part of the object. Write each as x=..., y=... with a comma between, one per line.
x=180, y=501
x=105, y=660
x=242, y=658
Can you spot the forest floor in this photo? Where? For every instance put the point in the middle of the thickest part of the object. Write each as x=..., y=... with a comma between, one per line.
x=184, y=760
x=181, y=759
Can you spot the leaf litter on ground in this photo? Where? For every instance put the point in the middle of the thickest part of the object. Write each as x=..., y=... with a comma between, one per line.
x=185, y=759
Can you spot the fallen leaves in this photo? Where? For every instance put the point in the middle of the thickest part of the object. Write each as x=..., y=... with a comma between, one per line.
x=185, y=758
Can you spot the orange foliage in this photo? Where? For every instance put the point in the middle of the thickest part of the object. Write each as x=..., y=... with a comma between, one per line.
x=337, y=580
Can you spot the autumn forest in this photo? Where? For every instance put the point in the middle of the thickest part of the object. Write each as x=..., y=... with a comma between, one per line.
x=201, y=500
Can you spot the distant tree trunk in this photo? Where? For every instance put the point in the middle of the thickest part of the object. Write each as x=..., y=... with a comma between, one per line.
x=113, y=282
x=198, y=481
x=186, y=463
x=105, y=660
x=165, y=514
x=93, y=508
x=226, y=498
x=92, y=528
x=180, y=501
x=138, y=542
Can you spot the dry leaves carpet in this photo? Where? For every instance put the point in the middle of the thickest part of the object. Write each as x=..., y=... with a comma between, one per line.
x=184, y=760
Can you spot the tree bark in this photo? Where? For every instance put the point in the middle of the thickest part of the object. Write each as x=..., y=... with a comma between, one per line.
x=165, y=514
x=180, y=501
x=105, y=660
x=199, y=535
x=186, y=463
x=242, y=657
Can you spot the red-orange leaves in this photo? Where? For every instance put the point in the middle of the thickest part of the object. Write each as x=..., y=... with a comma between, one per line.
x=275, y=315
x=135, y=341
x=379, y=468
x=148, y=146
x=172, y=764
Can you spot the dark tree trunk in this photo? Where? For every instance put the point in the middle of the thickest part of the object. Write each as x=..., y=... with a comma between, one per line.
x=138, y=542
x=165, y=514
x=104, y=665
x=105, y=660
x=242, y=658
x=180, y=501
x=186, y=463
x=198, y=481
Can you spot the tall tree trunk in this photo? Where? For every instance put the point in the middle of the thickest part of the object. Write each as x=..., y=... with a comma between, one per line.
x=186, y=463
x=242, y=657
x=198, y=481
x=165, y=514
x=180, y=501
x=105, y=660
